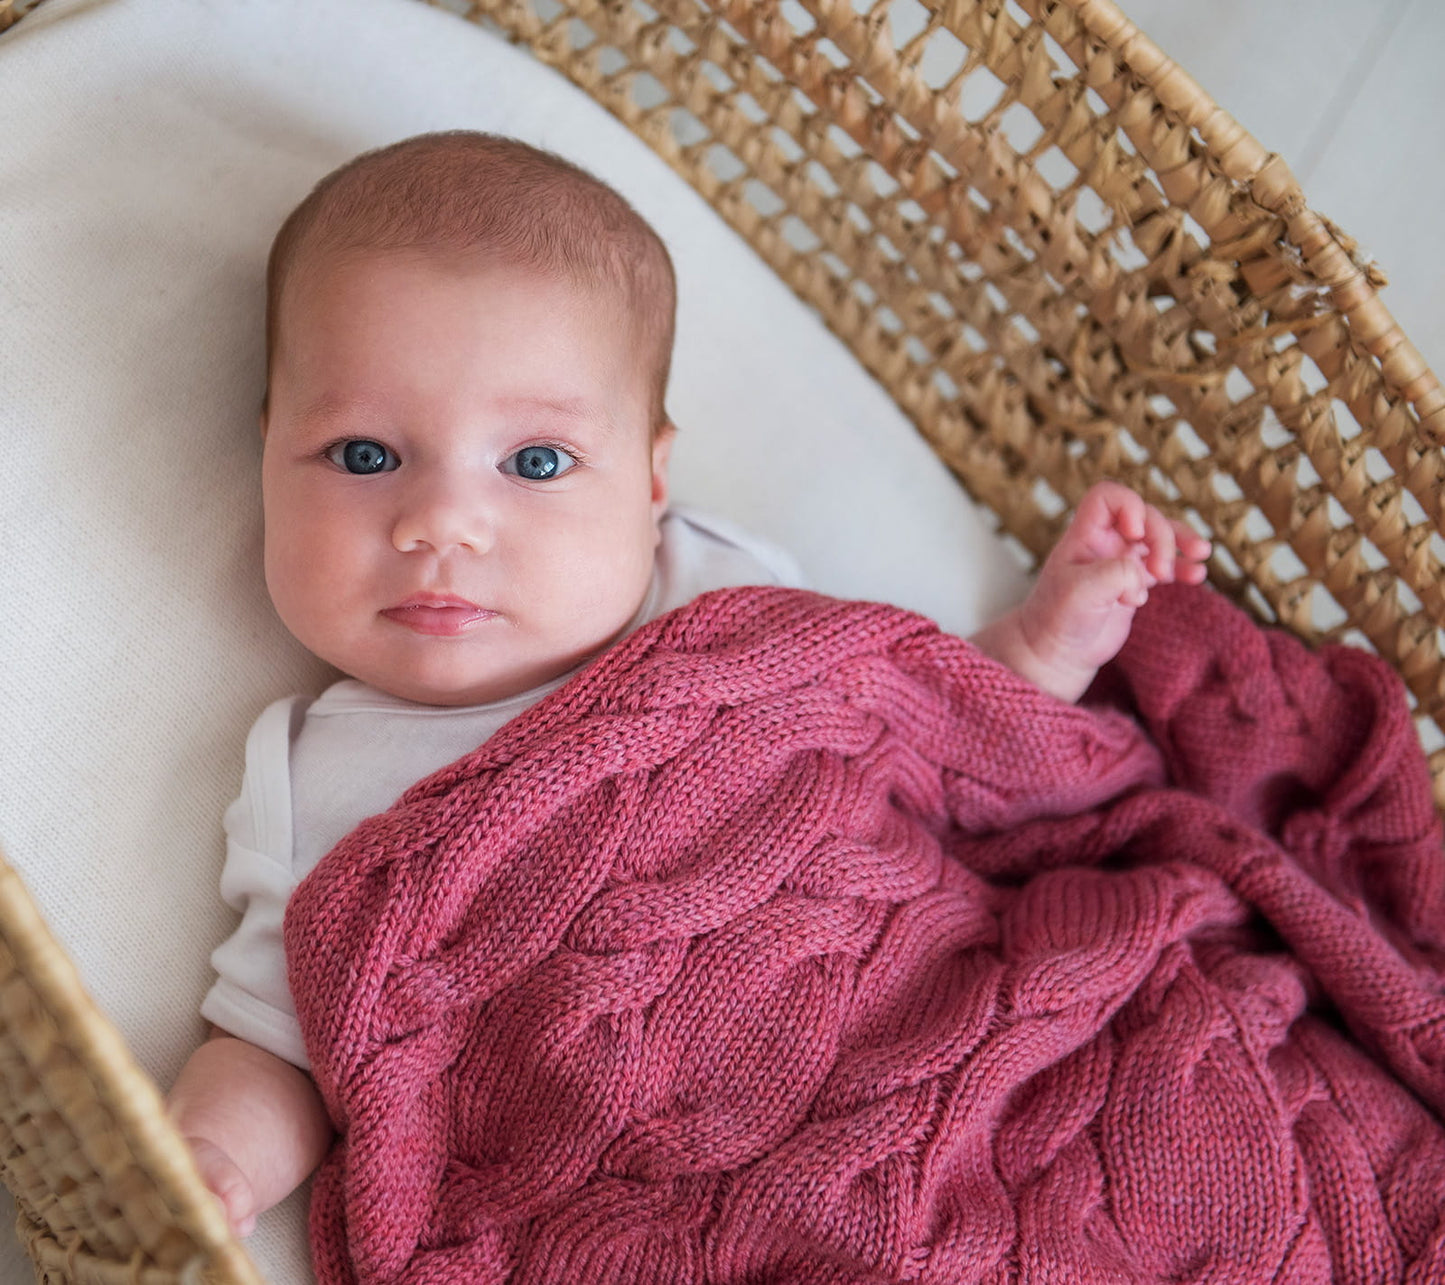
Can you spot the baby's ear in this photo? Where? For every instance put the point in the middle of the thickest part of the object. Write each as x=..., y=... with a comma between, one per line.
x=661, y=455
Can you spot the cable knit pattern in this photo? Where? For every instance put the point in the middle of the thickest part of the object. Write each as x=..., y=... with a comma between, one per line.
x=795, y=941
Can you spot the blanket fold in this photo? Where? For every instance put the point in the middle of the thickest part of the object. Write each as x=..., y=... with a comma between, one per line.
x=796, y=941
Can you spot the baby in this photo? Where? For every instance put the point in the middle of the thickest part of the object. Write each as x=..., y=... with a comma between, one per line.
x=465, y=482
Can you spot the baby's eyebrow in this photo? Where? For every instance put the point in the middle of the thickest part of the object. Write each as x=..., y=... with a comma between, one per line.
x=332, y=405
x=578, y=409
x=574, y=408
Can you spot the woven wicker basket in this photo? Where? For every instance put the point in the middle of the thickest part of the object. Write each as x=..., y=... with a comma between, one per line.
x=1136, y=290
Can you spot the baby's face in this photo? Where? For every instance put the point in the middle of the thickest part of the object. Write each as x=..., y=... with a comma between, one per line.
x=461, y=491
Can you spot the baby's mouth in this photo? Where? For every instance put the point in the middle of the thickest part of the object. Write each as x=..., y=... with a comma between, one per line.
x=439, y=615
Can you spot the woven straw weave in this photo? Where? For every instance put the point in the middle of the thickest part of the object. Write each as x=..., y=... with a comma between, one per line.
x=1062, y=259
x=12, y=10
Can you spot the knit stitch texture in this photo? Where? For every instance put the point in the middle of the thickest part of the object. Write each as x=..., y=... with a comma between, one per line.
x=796, y=941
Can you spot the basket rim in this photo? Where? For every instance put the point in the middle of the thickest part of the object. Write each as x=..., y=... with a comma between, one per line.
x=128, y=1095
x=1273, y=186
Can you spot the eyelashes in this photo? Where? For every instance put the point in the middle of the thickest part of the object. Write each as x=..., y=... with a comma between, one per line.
x=536, y=462
x=540, y=463
x=361, y=455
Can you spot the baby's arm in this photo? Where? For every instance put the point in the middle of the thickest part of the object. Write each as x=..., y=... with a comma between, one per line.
x=256, y=1124
x=1079, y=611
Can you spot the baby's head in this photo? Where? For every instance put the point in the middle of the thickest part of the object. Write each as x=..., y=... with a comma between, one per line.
x=466, y=448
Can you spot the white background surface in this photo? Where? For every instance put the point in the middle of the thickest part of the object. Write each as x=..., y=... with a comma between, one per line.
x=134, y=668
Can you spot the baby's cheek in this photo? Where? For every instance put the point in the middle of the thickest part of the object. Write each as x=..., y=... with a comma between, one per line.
x=301, y=601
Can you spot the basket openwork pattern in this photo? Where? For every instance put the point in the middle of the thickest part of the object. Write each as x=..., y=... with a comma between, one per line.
x=1064, y=262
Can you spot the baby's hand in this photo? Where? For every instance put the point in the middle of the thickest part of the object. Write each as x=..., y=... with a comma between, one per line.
x=1115, y=550
x=224, y=1178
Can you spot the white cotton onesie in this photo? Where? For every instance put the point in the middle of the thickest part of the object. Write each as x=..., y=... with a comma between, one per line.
x=316, y=768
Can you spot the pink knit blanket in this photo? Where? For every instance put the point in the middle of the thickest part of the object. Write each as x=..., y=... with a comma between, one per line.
x=795, y=941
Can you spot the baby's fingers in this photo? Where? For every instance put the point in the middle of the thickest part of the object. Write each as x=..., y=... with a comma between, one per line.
x=1108, y=521
x=1193, y=553
x=1173, y=550
x=227, y=1183
x=1110, y=581
x=1159, y=547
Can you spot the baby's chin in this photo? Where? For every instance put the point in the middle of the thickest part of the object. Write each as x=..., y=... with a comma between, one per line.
x=459, y=672
x=447, y=695
x=455, y=691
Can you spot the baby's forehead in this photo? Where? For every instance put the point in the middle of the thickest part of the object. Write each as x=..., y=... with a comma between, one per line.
x=315, y=264
x=368, y=279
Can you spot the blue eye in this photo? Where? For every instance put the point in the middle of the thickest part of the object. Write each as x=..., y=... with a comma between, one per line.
x=362, y=456
x=539, y=463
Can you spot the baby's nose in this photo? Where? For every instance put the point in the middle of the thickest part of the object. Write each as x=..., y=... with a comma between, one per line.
x=442, y=515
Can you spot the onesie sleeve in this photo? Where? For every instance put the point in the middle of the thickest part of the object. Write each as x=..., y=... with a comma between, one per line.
x=250, y=998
